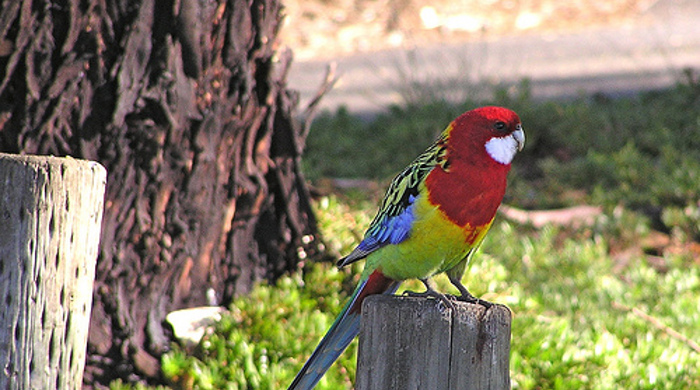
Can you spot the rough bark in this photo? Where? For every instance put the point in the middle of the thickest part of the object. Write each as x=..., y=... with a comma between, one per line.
x=186, y=106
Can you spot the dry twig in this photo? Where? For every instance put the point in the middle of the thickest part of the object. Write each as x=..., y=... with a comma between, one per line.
x=329, y=82
x=659, y=325
x=574, y=216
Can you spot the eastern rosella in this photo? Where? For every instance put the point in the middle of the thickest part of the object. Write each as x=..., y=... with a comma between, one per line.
x=432, y=219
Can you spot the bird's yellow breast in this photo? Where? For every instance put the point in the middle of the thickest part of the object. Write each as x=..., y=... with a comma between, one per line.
x=435, y=244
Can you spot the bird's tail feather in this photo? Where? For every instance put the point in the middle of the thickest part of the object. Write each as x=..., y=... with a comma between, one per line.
x=342, y=332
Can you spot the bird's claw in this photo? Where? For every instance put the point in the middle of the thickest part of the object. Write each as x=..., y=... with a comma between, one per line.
x=472, y=299
x=441, y=298
x=466, y=296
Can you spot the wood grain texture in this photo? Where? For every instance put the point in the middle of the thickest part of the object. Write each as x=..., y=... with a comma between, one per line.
x=415, y=343
x=50, y=217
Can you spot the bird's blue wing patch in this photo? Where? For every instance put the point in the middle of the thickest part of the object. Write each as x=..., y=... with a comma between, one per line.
x=391, y=229
x=395, y=217
x=387, y=230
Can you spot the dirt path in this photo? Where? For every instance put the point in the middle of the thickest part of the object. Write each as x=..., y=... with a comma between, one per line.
x=642, y=45
x=320, y=29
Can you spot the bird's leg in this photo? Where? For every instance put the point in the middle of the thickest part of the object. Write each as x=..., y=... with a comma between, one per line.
x=466, y=296
x=431, y=292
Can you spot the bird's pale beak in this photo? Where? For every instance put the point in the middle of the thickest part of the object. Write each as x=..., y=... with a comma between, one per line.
x=519, y=137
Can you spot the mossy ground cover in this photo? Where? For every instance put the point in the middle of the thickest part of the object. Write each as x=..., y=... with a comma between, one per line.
x=595, y=306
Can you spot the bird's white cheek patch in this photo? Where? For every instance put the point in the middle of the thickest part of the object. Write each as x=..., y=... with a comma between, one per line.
x=502, y=149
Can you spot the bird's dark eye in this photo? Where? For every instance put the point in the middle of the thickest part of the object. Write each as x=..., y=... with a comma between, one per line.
x=500, y=126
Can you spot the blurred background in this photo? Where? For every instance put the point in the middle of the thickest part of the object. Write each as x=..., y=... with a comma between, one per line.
x=564, y=48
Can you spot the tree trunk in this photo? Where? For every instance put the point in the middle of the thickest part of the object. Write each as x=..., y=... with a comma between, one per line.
x=186, y=106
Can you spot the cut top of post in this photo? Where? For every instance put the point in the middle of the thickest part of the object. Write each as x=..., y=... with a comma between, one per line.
x=417, y=343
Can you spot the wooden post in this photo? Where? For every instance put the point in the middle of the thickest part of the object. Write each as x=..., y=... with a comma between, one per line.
x=50, y=217
x=412, y=343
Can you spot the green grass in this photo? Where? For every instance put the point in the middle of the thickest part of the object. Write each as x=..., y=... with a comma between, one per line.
x=593, y=307
x=572, y=325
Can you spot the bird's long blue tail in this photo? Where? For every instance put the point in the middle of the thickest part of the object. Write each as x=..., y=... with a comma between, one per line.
x=342, y=332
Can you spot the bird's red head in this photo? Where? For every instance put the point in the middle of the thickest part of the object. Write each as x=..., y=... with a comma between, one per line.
x=486, y=135
x=470, y=182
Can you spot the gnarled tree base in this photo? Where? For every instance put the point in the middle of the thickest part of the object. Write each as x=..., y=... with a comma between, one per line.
x=186, y=106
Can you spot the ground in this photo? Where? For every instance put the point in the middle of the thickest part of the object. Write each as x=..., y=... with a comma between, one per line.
x=326, y=28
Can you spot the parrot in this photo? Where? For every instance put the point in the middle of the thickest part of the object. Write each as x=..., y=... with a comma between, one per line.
x=433, y=217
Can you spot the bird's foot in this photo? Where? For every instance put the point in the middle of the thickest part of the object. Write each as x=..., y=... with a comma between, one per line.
x=466, y=296
x=431, y=293
x=469, y=298
x=443, y=300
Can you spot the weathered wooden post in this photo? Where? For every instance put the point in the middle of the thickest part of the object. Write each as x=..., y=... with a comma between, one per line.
x=50, y=217
x=411, y=343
